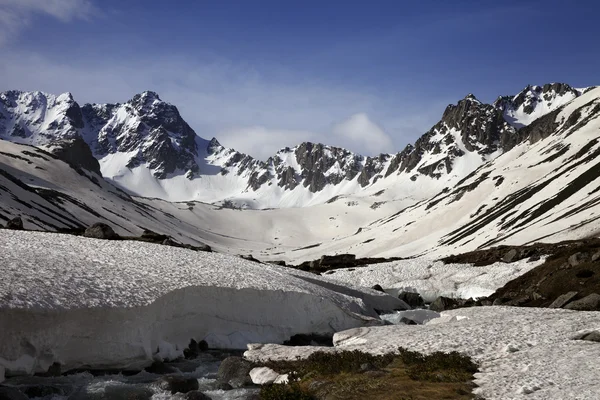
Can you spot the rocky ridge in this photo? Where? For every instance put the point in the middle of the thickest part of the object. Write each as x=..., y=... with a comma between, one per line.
x=148, y=133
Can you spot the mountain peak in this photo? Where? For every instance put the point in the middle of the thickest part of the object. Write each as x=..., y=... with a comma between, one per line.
x=471, y=97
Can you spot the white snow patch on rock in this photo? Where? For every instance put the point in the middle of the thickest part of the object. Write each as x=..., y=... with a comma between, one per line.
x=264, y=376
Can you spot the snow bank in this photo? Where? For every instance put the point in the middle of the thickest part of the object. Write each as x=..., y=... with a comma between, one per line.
x=119, y=304
x=434, y=278
x=523, y=353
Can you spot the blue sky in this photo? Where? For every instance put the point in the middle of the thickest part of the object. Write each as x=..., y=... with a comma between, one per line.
x=261, y=75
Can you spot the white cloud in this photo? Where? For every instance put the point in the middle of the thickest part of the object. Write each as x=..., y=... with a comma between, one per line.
x=15, y=15
x=359, y=132
x=262, y=142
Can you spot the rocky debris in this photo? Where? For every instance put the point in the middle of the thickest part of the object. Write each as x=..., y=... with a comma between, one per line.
x=281, y=263
x=178, y=384
x=412, y=299
x=567, y=274
x=313, y=339
x=593, y=336
x=100, y=230
x=10, y=393
x=506, y=254
x=195, y=348
x=235, y=371
x=562, y=300
x=153, y=236
x=196, y=395
x=317, y=266
x=588, y=303
x=15, y=224
x=445, y=303
x=378, y=288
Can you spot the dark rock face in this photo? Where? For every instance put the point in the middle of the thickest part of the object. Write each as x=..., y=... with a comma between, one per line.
x=178, y=384
x=378, y=288
x=153, y=236
x=235, y=371
x=563, y=299
x=593, y=336
x=588, y=303
x=15, y=224
x=100, y=230
x=9, y=393
x=412, y=299
x=77, y=153
x=445, y=303
x=310, y=340
x=482, y=130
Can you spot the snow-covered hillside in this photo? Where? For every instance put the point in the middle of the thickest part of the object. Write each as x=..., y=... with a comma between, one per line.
x=544, y=189
x=112, y=304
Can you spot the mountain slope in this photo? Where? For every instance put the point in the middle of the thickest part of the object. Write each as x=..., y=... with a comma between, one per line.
x=546, y=188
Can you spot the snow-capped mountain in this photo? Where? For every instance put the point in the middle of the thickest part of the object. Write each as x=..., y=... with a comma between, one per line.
x=540, y=183
x=146, y=148
x=534, y=102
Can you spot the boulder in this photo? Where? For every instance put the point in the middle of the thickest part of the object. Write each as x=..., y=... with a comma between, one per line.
x=445, y=303
x=593, y=336
x=378, y=288
x=412, y=299
x=153, y=236
x=10, y=393
x=194, y=349
x=178, y=384
x=588, y=303
x=578, y=258
x=15, y=224
x=263, y=376
x=196, y=395
x=100, y=230
x=160, y=368
x=235, y=371
x=510, y=256
x=562, y=300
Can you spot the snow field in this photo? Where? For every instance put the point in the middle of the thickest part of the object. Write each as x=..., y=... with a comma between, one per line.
x=432, y=279
x=523, y=353
x=120, y=304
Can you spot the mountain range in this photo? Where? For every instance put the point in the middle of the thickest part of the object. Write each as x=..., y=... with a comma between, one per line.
x=484, y=174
